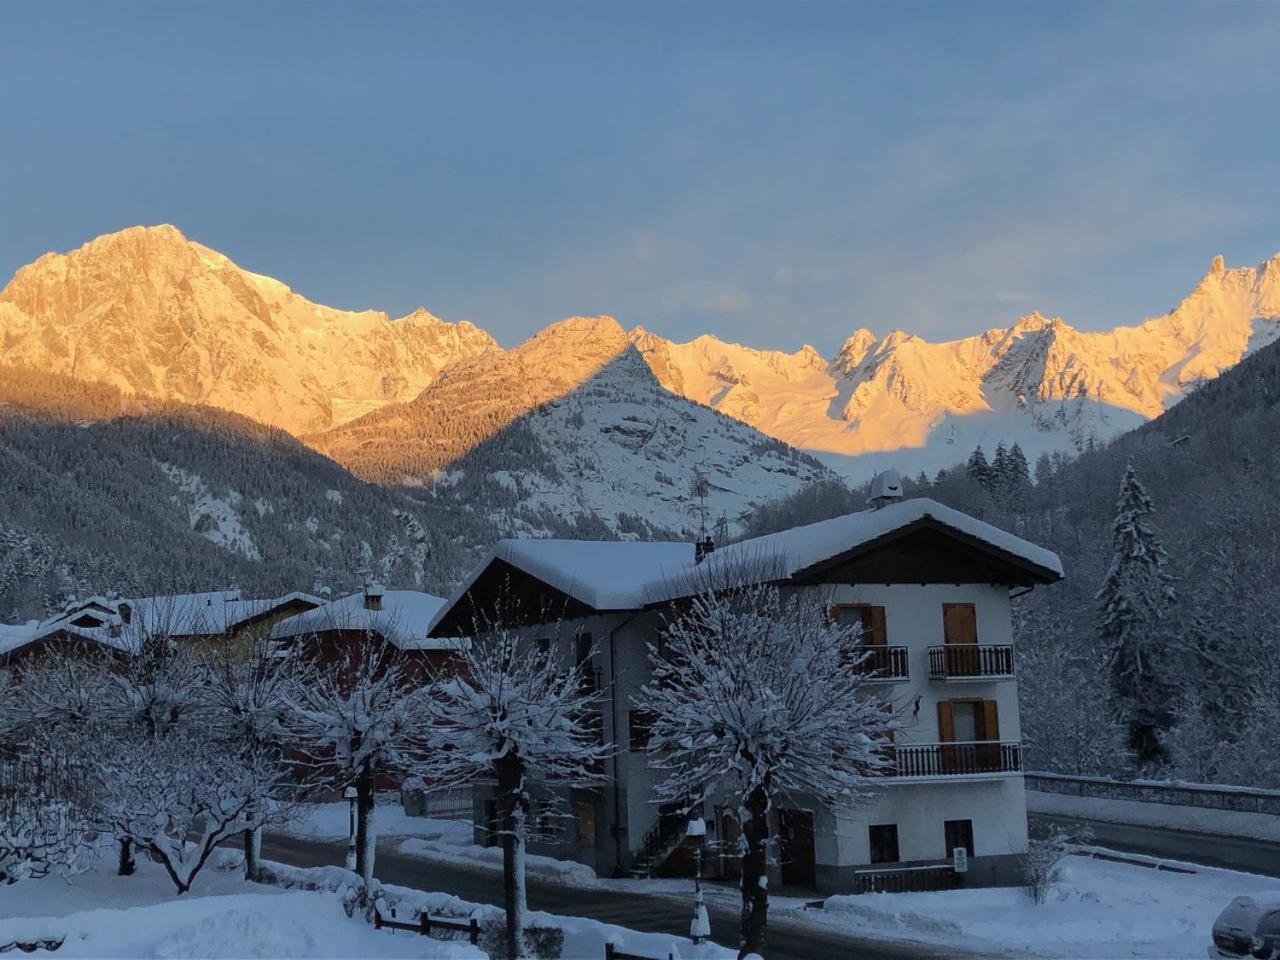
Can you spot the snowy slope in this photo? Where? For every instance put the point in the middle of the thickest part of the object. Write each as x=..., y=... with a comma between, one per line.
x=571, y=426
x=900, y=399
x=157, y=315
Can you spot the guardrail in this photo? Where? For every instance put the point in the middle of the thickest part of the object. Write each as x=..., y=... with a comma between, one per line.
x=966, y=661
x=1205, y=796
x=953, y=759
x=885, y=663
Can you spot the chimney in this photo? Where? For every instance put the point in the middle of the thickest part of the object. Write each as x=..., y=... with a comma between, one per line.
x=885, y=488
x=703, y=548
x=373, y=595
x=125, y=611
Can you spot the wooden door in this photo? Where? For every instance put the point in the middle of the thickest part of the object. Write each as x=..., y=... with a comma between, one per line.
x=587, y=824
x=799, y=856
x=960, y=634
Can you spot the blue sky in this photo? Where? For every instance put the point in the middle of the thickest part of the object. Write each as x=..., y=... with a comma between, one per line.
x=772, y=173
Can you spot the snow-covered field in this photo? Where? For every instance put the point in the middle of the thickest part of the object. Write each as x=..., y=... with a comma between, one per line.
x=331, y=821
x=1096, y=909
x=103, y=915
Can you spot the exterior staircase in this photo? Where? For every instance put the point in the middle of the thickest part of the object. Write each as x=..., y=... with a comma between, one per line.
x=665, y=837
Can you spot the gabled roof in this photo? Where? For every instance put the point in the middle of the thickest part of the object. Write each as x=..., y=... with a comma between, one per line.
x=628, y=575
x=402, y=620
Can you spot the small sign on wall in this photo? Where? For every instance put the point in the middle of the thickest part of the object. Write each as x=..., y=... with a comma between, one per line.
x=960, y=860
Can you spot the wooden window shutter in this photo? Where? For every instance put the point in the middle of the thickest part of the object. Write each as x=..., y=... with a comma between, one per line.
x=878, y=635
x=990, y=720
x=946, y=721
x=959, y=623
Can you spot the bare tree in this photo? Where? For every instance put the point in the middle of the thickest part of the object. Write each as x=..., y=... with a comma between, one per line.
x=757, y=698
x=504, y=712
x=352, y=717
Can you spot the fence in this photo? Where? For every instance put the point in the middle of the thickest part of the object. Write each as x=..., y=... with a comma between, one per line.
x=954, y=759
x=1204, y=796
x=613, y=953
x=906, y=880
x=453, y=803
x=426, y=923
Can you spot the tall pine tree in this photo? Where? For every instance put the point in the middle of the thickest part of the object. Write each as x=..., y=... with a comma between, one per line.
x=1132, y=603
x=978, y=469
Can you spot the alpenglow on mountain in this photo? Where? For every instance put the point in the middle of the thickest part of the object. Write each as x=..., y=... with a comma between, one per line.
x=157, y=315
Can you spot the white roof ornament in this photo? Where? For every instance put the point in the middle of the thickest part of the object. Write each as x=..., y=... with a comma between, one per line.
x=885, y=488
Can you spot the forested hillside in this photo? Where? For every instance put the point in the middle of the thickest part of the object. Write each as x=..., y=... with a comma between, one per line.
x=1209, y=465
x=107, y=495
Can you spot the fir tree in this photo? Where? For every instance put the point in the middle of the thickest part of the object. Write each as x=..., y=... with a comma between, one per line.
x=1132, y=602
x=1000, y=469
x=978, y=469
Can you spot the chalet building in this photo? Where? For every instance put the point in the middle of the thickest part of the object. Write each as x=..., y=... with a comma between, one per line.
x=931, y=588
x=123, y=623
x=398, y=618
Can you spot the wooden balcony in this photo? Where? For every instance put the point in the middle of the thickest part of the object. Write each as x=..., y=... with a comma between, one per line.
x=970, y=661
x=884, y=664
x=938, y=760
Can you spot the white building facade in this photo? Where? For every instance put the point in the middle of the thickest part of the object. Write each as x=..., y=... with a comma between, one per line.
x=932, y=591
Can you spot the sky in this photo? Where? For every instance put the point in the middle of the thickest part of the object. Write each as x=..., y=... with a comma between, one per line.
x=773, y=173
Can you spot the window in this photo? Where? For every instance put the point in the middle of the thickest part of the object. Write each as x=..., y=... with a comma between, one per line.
x=639, y=728
x=968, y=721
x=870, y=619
x=959, y=833
x=583, y=649
x=884, y=843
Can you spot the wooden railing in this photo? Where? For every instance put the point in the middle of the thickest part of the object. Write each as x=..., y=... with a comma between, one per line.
x=906, y=880
x=967, y=660
x=884, y=663
x=953, y=759
x=427, y=924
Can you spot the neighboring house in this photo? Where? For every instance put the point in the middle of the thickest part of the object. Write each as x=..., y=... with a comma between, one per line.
x=399, y=618
x=931, y=588
x=123, y=623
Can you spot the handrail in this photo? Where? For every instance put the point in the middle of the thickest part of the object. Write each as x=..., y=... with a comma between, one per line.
x=884, y=663
x=958, y=759
x=967, y=660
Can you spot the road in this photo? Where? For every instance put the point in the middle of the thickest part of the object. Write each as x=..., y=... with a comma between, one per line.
x=788, y=940
x=1209, y=849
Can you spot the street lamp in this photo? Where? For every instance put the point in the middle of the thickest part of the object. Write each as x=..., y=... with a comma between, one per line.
x=350, y=795
x=700, y=926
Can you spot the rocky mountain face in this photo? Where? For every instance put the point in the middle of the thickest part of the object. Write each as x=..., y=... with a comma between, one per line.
x=572, y=427
x=159, y=316
x=902, y=400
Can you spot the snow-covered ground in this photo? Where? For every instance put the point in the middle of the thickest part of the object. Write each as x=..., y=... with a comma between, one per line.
x=331, y=821
x=465, y=854
x=104, y=915
x=1096, y=909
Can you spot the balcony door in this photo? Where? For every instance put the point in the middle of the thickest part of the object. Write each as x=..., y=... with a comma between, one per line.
x=973, y=726
x=871, y=621
x=960, y=635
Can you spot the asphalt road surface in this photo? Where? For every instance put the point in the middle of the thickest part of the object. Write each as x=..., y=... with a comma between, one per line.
x=1209, y=849
x=646, y=912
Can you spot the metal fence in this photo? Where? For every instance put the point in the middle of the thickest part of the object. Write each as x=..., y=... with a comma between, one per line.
x=439, y=804
x=1236, y=799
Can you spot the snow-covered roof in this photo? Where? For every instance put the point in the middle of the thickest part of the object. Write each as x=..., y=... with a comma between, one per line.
x=175, y=615
x=402, y=620
x=629, y=575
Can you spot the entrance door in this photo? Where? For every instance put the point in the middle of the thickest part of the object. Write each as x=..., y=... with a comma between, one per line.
x=799, y=857
x=960, y=634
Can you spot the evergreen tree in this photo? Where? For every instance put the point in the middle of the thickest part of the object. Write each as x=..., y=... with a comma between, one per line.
x=1044, y=470
x=1000, y=470
x=978, y=469
x=1132, y=602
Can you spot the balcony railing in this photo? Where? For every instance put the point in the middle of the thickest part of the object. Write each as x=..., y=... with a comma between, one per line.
x=887, y=664
x=969, y=661
x=953, y=759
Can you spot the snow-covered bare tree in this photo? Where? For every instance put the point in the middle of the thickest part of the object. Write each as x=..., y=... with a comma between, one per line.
x=354, y=714
x=505, y=712
x=757, y=698
x=43, y=826
x=1133, y=602
x=245, y=697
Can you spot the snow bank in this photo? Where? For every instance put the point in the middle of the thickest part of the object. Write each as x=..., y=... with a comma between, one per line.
x=472, y=856
x=294, y=925
x=1095, y=909
x=331, y=821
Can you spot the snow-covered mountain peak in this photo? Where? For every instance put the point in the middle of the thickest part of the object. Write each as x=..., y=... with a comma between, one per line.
x=157, y=315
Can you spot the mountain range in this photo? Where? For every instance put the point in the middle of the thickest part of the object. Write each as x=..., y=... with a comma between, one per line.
x=162, y=317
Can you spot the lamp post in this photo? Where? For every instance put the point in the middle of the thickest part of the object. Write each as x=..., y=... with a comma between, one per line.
x=700, y=926
x=350, y=795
